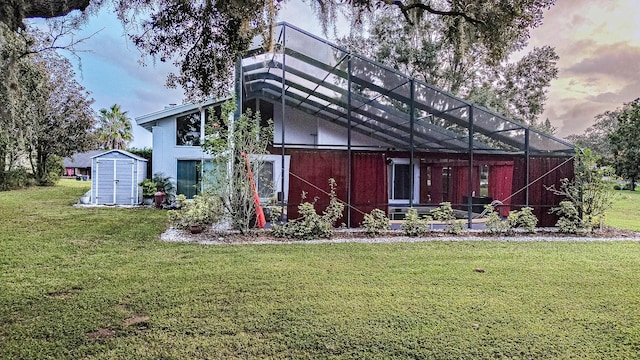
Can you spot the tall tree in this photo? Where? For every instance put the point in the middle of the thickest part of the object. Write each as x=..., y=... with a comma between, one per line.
x=60, y=120
x=625, y=143
x=114, y=128
x=595, y=137
x=48, y=114
x=12, y=12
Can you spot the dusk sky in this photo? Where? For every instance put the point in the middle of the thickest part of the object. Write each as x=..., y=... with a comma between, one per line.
x=598, y=43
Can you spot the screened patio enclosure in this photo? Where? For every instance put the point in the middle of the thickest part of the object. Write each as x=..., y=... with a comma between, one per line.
x=427, y=146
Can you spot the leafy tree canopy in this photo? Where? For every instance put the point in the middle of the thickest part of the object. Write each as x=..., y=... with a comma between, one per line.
x=114, y=128
x=47, y=114
x=596, y=138
x=205, y=37
x=624, y=142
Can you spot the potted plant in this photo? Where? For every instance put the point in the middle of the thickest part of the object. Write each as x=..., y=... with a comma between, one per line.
x=148, y=191
x=165, y=188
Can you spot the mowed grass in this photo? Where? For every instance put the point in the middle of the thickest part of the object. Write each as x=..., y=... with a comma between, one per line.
x=625, y=213
x=67, y=273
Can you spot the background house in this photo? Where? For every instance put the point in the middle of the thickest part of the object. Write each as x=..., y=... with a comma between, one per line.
x=390, y=141
x=80, y=164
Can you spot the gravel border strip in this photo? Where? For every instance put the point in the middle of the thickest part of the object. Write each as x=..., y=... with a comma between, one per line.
x=182, y=236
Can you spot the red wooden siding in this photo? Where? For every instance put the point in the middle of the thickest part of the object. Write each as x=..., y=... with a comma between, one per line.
x=369, y=185
x=500, y=185
x=540, y=198
x=369, y=181
x=460, y=180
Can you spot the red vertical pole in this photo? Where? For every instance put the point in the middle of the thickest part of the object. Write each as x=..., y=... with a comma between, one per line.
x=261, y=221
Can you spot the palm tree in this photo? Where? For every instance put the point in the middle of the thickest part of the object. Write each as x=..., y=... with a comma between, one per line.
x=114, y=129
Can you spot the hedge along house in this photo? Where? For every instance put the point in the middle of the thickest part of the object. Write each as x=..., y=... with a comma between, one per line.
x=115, y=176
x=389, y=141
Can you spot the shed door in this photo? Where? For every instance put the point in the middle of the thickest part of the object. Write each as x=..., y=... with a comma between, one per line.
x=116, y=178
x=123, y=181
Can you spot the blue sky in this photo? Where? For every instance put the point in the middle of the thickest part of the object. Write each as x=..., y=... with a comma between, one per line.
x=598, y=44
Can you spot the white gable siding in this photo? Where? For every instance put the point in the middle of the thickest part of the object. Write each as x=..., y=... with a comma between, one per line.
x=303, y=128
x=165, y=151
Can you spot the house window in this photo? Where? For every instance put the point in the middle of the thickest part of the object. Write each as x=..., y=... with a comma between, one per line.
x=484, y=180
x=188, y=130
x=189, y=177
x=400, y=181
x=446, y=182
x=401, y=184
x=265, y=180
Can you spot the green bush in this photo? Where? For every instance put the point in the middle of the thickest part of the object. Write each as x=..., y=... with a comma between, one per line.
x=524, y=219
x=165, y=184
x=15, y=179
x=202, y=210
x=275, y=213
x=495, y=224
x=569, y=221
x=445, y=214
x=149, y=188
x=54, y=168
x=375, y=222
x=414, y=225
x=310, y=225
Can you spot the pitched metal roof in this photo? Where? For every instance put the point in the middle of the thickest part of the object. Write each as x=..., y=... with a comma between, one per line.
x=81, y=160
x=326, y=80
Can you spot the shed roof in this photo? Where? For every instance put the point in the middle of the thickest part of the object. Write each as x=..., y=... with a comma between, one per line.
x=126, y=153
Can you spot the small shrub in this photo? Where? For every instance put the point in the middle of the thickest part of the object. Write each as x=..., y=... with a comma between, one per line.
x=165, y=184
x=310, y=225
x=524, y=219
x=414, y=225
x=181, y=200
x=495, y=224
x=569, y=221
x=445, y=214
x=275, y=213
x=148, y=188
x=202, y=210
x=15, y=179
x=375, y=222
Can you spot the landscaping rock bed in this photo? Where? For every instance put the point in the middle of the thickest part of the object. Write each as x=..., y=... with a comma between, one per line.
x=216, y=236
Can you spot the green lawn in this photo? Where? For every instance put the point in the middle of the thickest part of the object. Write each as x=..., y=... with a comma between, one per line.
x=68, y=272
x=626, y=211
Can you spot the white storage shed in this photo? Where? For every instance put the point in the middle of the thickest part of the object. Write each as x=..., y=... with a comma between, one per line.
x=115, y=176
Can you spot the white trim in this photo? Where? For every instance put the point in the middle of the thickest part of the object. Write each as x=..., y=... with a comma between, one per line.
x=416, y=181
x=147, y=120
x=115, y=180
x=134, y=184
x=277, y=173
x=97, y=181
